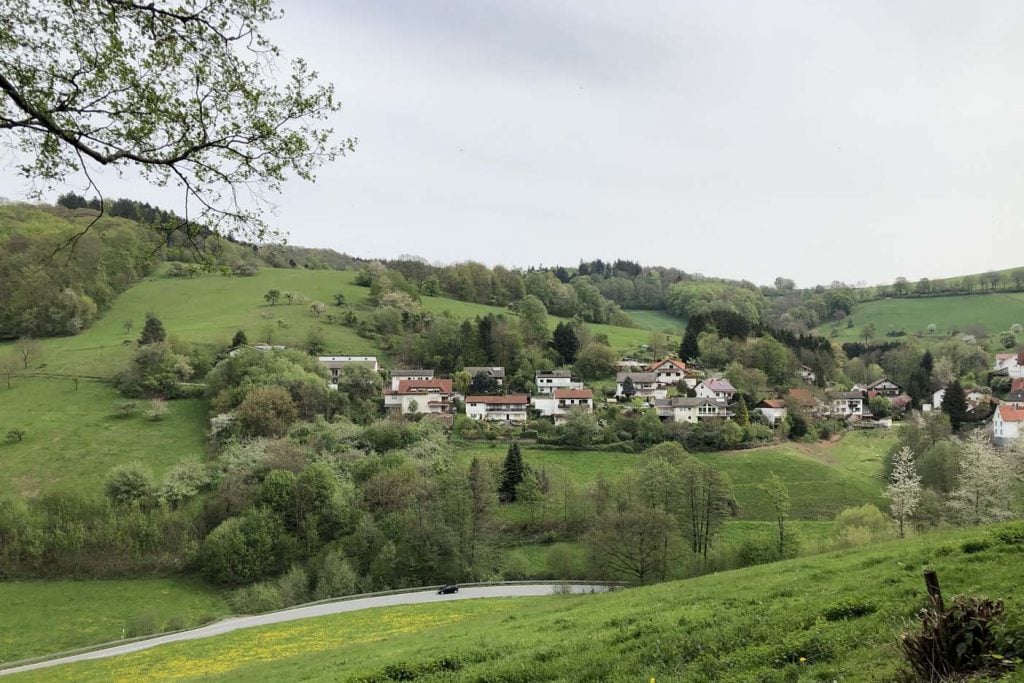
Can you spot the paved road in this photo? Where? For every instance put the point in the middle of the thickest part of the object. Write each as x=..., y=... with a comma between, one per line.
x=353, y=605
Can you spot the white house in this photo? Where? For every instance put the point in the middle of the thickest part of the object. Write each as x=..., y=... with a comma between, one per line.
x=974, y=397
x=1013, y=363
x=884, y=387
x=685, y=409
x=548, y=382
x=561, y=402
x=336, y=363
x=807, y=374
x=1016, y=395
x=425, y=396
x=1007, y=424
x=774, y=410
x=715, y=388
x=669, y=371
x=511, y=408
x=844, y=404
x=398, y=376
x=644, y=383
x=496, y=372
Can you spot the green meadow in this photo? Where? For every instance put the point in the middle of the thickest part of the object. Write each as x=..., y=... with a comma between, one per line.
x=996, y=312
x=43, y=617
x=73, y=437
x=830, y=617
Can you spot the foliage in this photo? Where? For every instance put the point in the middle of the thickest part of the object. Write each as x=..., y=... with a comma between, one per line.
x=904, y=490
x=245, y=549
x=130, y=485
x=954, y=404
x=984, y=485
x=153, y=331
x=16, y=434
x=266, y=411
x=513, y=473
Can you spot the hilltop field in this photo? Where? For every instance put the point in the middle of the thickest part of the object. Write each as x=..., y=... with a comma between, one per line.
x=829, y=617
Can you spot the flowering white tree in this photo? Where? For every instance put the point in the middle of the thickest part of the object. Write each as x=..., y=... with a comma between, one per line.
x=904, y=490
x=984, y=486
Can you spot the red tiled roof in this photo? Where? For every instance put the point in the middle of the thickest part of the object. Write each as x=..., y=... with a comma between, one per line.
x=414, y=386
x=1011, y=414
x=499, y=400
x=574, y=393
x=772, y=403
x=677, y=363
x=803, y=396
x=1017, y=384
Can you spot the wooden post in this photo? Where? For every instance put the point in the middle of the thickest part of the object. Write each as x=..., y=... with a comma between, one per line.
x=931, y=582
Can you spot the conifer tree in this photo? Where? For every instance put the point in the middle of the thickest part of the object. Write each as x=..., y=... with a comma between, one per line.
x=628, y=388
x=742, y=417
x=689, y=349
x=153, y=331
x=954, y=404
x=512, y=473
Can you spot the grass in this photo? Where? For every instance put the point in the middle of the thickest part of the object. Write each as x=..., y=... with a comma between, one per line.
x=659, y=321
x=995, y=312
x=766, y=623
x=41, y=617
x=822, y=478
x=75, y=437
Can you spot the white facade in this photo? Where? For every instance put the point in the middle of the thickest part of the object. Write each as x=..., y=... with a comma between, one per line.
x=773, y=413
x=336, y=363
x=410, y=404
x=690, y=410
x=644, y=383
x=398, y=376
x=547, y=382
x=718, y=389
x=562, y=402
x=846, y=404
x=1007, y=424
x=497, y=408
x=669, y=372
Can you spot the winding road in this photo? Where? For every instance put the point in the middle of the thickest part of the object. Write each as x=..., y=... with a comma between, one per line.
x=318, y=610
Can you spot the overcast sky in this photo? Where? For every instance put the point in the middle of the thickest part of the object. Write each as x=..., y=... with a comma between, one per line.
x=849, y=140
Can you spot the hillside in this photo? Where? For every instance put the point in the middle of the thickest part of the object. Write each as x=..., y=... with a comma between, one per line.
x=831, y=617
x=995, y=312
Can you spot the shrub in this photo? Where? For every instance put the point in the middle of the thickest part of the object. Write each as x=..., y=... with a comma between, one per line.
x=176, y=623
x=957, y=641
x=849, y=608
x=16, y=434
x=1012, y=534
x=244, y=549
x=975, y=546
x=142, y=625
x=127, y=409
x=294, y=586
x=257, y=598
x=334, y=576
x=129, y=485
x=157, y=409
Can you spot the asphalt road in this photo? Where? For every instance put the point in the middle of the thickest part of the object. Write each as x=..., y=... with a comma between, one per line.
x=319, y=610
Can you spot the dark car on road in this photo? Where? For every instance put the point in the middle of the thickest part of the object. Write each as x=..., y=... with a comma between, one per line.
x=448, y=590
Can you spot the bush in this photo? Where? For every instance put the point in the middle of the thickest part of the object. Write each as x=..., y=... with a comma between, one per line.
x=256, y=599
x=849, y=608
x=957, y=642
x=294, y=586
x=127, y=409
x=157, y=409
x=176, y=623
x=244, y=549
x=16, y=434
x=129, y=485
x=334, y=576
x=142, y=625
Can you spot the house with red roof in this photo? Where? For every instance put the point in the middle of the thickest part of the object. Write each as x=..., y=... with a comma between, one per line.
x=1007, y=424
x=773, y=409
x=510, y=408
x=423, y=396
x=1012, y=363
x=1016, y=395
x=669, y=371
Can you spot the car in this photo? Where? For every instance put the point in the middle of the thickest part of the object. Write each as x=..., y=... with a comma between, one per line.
x=448, y=590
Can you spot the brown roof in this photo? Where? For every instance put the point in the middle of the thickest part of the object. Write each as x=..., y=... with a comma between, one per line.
x=418, y=386
x=1017, y=384
x=677, y=363
x=803, y=396
x=772, y=403
x=574, y=393
x=499, y=400
x=1011, y=414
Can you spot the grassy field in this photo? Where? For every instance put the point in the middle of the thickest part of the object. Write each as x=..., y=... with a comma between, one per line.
x=995, y=312
x=659, y=321
x=822, y=478
x=786, y=621
x=41, y=617
x=75, y=437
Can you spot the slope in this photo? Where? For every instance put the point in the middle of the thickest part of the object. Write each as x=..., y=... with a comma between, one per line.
x=830, y=617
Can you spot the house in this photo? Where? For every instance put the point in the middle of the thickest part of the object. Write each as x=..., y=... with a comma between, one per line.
x=1016, y=395
x=548, y=382
x=691, y=410
x=645, y=384
x=715, y=388
x=844, y=404
x=629, y=365
x=398, y=376
x=1013, y=363
x=974, y=398
x=774, y=410
x=336, y=363
x=884, y=387
x=807, y=374
x=423, y=396
x=561, y=402
x=496, y=373
x=1007, y=424
x=805, y=400
x=511, y=408
x=669, y=371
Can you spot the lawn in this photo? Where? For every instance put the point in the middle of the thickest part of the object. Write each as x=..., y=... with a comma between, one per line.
x=822, y=478
x=659, y=321
x=830, y=617
x=995, y=312
x=76, y=436
x=43, y=617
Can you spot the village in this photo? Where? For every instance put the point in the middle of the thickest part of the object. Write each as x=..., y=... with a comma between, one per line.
x=676, y=392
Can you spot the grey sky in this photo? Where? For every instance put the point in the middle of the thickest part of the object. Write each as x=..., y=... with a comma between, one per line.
x=854, y=141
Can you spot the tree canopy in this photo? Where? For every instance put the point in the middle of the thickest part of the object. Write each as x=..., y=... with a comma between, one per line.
x=187, y=93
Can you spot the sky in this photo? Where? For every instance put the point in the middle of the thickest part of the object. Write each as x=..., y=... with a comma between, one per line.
x=855, y=141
